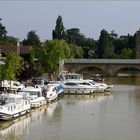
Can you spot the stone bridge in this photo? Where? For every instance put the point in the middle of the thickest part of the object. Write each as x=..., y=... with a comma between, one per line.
x=109, y=66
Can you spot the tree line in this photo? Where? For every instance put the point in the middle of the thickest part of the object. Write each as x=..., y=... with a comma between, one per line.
x=65, y=43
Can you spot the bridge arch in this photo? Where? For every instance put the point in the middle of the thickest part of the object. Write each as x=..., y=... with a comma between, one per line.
x=109, y=66
x=89, y=71
x=130, y=70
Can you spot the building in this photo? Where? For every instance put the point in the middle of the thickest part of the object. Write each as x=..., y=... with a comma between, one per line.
x=4, y=49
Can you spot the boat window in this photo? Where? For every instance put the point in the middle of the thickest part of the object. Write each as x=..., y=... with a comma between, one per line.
x=1, y=108
x=11, y=108
x=8, y=108
x=70, y=84
x=11, y=100
x=26, y=102
x=38, y=94
x=33, y=93
x=84, y=83
x=54, y=89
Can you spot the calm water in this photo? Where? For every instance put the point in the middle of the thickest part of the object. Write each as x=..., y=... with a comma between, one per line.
x=104, y=117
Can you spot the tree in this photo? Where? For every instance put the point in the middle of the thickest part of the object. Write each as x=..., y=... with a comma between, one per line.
x=3, y=31
x=10, y=40
x=51, y=54
x=59, y=32
x=124, y=42
x=127, y=53
x=76, y=51
x=12, y=67
x=32, y=39
x=103, y=43
x=30, y=56
x=73, y=36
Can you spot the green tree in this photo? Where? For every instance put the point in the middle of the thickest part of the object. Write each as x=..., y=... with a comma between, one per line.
x=12, y=67
x=30, y=56
x=51, y=54
x=103, y=43
x=127, y=53
x=76, y=51
x=73, y=36
x=32, y=39
x=59, y=32
x=3, y=31
x=124, y=42
x=10, y=40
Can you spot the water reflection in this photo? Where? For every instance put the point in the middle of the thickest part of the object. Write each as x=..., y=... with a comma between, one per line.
x=106, y=116
x=87, y=99
x=123, y=80
x=54, y=111
x=13, y=130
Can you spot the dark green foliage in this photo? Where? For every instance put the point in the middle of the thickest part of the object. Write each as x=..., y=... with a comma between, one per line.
x=32, y=39
x=103, y=43
x=73, y=36
x=127, y=53
x=4, y=39
x=3, y=31
x=124, y=42
x=59, y=32
x=30, y=57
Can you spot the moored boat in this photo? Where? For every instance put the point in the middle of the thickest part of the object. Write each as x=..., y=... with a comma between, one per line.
x=77, y=87
x=35, y=95
x=51, y=92
x=13, y=105
x=59, y=88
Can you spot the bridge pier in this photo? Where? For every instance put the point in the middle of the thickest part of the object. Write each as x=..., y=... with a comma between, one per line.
x=110, y=72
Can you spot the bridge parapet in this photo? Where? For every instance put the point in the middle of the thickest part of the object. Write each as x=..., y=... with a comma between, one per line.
x=105, y=61
x=109, y=66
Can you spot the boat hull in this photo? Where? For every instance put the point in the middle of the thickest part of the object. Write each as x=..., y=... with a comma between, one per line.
x=78, y=91
x=51, y=99
x=6, y=117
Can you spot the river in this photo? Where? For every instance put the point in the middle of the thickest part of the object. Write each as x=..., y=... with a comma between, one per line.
x=103, y=117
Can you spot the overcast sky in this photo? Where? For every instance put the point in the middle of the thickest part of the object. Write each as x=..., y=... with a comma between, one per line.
x=20, y=17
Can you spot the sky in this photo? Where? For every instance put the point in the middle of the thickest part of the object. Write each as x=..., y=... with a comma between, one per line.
x=90, y=16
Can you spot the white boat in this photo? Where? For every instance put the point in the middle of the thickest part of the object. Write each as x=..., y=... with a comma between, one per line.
x=106, y=87
x=51, y=92
x=77, y=87
x=109, y=87
x=64, y=76
x=35, y=95
x=17, y=127
x=11, y=85
x=59, y=88
x=75, y=78
x=13, y=105
x=94, y=85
